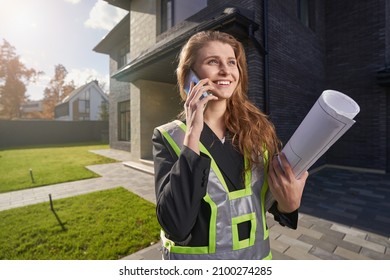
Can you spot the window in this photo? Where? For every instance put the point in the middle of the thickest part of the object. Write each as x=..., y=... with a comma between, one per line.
x=124, y=55
x=166, y=15
x=81, y=107
x=124, y=121
x=171, y=12
x=306, y=13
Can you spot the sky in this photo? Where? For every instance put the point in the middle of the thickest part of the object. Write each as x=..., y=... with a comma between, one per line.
x=46, y=33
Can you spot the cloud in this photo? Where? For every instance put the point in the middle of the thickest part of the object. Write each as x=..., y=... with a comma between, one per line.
x=104, y=16
x=73, y=1
x=82, y=76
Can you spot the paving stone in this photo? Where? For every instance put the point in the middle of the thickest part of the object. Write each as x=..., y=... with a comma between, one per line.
x=349, y=231
x=310, y=232
x=374, y=254
x=305, y=223
x=298, y=253
x=273, y=235
x=279, y=246
x=349, y=255
x=379, y=239
x=342, y=243
x=365, y=243
x=294, y=242
x=286, y=231
x=329, y=232
x=279, y=256
x=322, y=244
x=323, y=254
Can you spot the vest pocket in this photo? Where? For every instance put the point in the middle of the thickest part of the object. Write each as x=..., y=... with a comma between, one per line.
x=237, y=222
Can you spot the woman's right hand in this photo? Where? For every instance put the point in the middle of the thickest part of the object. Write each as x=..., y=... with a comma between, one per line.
x=193, y=108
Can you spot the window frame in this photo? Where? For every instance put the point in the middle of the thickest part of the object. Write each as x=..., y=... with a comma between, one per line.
x=124, y=124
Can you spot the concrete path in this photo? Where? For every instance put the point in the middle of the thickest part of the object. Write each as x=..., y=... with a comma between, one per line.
x=344, y=214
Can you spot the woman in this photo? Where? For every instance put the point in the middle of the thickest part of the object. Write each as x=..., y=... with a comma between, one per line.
x=216, y=171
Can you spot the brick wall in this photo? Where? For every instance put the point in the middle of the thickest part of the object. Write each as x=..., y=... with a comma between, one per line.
x=355, y=52
x=119, y=92
x=296, y=66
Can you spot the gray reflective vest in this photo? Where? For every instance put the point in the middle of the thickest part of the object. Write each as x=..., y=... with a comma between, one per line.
x=228, y=210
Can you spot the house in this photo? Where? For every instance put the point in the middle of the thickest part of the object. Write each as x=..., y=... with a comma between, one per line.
x=295, y=50
x=87, y=102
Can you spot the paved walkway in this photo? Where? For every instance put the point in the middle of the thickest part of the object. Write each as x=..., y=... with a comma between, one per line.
x=344, y=214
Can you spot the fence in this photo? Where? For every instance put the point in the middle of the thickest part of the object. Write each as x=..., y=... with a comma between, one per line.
x=43, y=132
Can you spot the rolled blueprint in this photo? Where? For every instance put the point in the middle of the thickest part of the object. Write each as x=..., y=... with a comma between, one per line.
x=329, y=118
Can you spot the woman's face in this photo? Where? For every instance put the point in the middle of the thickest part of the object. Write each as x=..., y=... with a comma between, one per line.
x=217, y=62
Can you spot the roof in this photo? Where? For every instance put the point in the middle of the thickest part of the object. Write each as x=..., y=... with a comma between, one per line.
x=158, y=63
x=80, y=89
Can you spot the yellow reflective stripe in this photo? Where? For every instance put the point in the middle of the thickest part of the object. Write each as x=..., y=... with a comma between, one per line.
x=213, y=224
x=247, y=191
x=268, y=257
x=203, y=149
x=189, y=250
x=171, y=142
x=241, y=244
x=213, y=218
x=264, y=189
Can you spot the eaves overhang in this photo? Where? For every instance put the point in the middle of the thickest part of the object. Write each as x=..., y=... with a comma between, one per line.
x=123, y=4
x=159, y=62
x=118, y=35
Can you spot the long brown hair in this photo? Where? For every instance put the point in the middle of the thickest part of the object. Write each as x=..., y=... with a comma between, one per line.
x=251, y=130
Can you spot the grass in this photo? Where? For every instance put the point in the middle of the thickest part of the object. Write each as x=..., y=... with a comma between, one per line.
x=103, y=225
x=49, y=165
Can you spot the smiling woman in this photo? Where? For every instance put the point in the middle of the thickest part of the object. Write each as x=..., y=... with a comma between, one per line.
x=215, y=174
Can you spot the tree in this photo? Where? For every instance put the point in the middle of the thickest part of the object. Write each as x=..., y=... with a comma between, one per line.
x=57, y=90
x=14, y=78
x=104, y=111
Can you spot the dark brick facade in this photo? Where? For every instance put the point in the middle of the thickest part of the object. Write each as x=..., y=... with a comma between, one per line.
x=343, y=50
x=356, y=45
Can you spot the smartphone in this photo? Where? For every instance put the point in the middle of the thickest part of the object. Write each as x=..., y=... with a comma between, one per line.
x=192, y=78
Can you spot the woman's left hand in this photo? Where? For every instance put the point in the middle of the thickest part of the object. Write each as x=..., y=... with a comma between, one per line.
x=286, y=189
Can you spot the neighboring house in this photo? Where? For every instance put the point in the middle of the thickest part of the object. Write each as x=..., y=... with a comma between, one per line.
x=295, y=50
x=30, y=109
x=87, y=102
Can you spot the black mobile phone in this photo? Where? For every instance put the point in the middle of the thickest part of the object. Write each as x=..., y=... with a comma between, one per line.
x=192, y=78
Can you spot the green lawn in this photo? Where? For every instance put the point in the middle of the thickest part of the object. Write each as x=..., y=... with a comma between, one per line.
x=98, y=226
x=49, y=165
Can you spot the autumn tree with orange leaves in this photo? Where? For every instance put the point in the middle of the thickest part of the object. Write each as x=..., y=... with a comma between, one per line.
x=14, y=78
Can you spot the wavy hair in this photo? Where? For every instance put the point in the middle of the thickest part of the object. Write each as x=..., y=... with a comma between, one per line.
x=250, y=129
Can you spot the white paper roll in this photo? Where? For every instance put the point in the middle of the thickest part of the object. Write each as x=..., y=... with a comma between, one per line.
x=329, y=118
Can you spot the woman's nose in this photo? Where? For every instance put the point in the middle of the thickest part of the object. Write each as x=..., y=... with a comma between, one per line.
x=223, y=68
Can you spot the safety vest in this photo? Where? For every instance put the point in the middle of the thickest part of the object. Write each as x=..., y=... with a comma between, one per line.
x=228, y=210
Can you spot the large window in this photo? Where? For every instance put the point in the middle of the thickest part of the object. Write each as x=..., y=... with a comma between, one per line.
x=124, y=121
x=81, y=107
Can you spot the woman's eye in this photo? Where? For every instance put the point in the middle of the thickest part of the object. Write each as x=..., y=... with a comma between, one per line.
x=213, y=61
x=232, y=62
